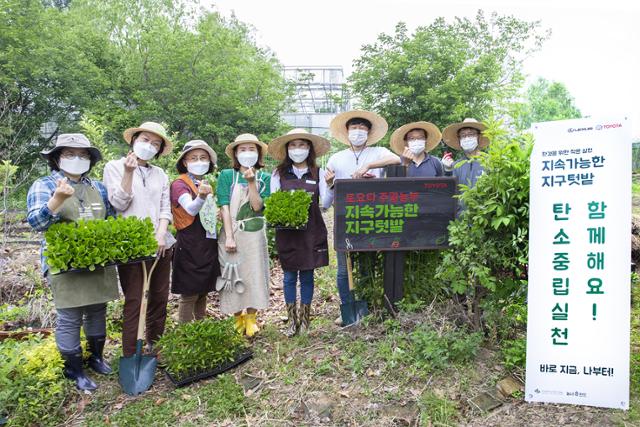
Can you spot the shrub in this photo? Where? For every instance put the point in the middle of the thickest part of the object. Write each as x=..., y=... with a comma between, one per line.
x=433, y=350
x=489, y=241
x=32, y=388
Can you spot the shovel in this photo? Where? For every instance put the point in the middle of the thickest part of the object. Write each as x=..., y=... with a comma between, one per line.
x=137, y=371
x=352, y=312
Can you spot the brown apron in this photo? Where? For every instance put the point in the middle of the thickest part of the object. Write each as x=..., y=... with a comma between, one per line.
x=251, y=256
x=300, y=250
x=195, y=260
x=77, y=289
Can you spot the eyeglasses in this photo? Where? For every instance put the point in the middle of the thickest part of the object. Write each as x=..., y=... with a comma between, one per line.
x=70, y=155
x=468, y=134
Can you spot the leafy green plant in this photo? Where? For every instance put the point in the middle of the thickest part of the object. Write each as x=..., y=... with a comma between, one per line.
x=195, y=347
x=93, y=243
x=433, y=350
x=489, y=241
x=287, y=208
x=514, y=353
x=436, y=410
x=32, y=388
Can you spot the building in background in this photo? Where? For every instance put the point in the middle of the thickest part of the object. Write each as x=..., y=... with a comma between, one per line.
x=320, y=94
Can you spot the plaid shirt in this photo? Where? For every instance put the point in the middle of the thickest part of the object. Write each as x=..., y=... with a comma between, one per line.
x=40, y=216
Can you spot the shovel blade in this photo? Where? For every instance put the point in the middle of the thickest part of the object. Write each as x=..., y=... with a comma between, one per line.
x=353, y=312
x=136, y=373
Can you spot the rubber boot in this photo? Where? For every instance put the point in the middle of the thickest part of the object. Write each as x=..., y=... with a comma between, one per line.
x=96, y=362
x=240, y=323
x=305, y=314
x=292, y=321
x=251, y=327
x=73, y=370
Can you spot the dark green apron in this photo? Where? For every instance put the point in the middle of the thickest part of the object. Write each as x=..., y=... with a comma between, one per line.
x=77, y=289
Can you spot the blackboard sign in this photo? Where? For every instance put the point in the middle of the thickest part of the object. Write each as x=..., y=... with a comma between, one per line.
x=393, y=214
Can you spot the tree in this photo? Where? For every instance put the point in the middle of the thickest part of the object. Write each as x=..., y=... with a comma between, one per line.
x=49, y=69
x=197, y=72
x=545, y=101
x=445, y=72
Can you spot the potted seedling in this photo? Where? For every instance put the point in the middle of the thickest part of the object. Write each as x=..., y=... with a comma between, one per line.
x=288, y=210
x=90, y=244
x=201, y=349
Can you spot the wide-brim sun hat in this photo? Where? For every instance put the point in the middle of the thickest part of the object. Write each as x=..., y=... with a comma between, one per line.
x=397, y=141
x=72, y=140
x=198, y=144
x=153, y=127
x=278, y=147
x=243, y=139
x=340, y=132
x=450, y=133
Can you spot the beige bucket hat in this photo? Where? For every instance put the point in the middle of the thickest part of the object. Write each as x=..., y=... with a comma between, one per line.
x=450, y=133
x=72, y=140
x=339, y=130
x=433, y=136
x=277, y=147
x=153, y=127
x=198, y=144
x=242, y=139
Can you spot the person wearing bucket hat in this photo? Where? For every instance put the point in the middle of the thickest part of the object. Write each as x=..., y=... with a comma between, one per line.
x=195, y=258
x=138, y=188
x=413, y=142
x=80, y=298
x=242, y=245
x=300, y=251
x=360, y=130
x=467, y=137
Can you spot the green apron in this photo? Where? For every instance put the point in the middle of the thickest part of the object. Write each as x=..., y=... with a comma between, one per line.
x=77, y=289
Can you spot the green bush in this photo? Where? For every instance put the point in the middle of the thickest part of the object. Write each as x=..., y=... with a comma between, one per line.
x=32, y=388
x=287, y=208
x=490, y=240
x=194, y=347
x=514, y=353
x=433, y=350
x=93, y=243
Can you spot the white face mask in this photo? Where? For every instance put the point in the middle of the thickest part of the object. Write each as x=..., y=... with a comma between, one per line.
x=416, y=146
x=469, y=143
x=198, y=168
x=358, y=137
x=144, y=150
x=247, y=158
x=75, y=166
x=298, y=155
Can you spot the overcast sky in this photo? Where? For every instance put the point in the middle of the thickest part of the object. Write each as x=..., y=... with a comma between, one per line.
x=594, y=49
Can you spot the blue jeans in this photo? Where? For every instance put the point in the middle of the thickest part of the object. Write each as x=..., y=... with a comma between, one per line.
x=306, y=286
x=342, y=279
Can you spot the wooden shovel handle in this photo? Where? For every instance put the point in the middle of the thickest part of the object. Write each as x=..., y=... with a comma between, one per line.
x=350, y=271
x=146, y=281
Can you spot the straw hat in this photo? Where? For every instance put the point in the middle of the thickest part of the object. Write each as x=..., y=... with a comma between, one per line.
x=153, y=127
x=277, y=147
x=242, y=139
x=433, y=136
x=340, y=132
x=72, y=140
x=198, y=144
x=450, y=133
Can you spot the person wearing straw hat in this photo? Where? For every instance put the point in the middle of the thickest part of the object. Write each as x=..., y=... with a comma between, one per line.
x=195, y=257
x=138, y=188
x=360, y=130
x=467, y=137
x=242, y=245
x=301, y=251
x=413, y=142
x=80, y=298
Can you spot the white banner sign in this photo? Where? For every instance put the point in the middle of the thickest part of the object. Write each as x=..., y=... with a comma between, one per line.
x=579, y=263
